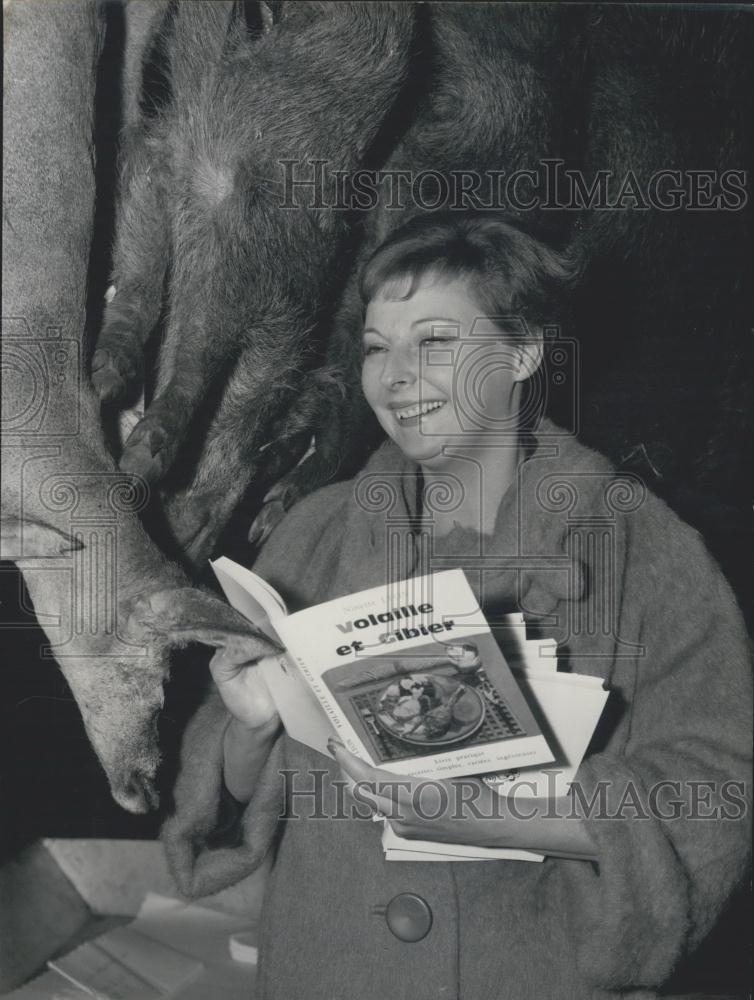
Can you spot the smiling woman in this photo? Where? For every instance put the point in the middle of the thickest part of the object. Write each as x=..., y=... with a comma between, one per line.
x=454, y=310
x=455, y=305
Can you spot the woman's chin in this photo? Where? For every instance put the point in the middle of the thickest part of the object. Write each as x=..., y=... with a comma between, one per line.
x=417, y=443
x=429, y=452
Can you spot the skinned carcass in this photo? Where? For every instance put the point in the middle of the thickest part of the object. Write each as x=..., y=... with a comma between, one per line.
x=216, y=205
x=110, y=603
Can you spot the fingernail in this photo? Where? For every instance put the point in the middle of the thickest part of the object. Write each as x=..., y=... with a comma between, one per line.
x=334, y=744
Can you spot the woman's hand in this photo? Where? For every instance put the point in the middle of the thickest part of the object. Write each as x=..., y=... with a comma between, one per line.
x=243, y=690
x=463, y=811
x=422, y=809
x=253, y=724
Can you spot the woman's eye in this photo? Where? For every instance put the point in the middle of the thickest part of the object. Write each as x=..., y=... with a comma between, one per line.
x=368, y=349
x=438, y=340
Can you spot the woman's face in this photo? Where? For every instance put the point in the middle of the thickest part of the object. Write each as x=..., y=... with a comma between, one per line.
x=437, y=373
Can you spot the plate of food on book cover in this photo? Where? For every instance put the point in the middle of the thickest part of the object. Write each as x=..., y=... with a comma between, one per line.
x=429, y=711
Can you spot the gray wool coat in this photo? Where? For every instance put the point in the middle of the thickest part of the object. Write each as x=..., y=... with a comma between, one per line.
x=632, y=596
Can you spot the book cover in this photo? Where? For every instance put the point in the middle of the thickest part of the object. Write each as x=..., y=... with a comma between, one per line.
x=412, y=679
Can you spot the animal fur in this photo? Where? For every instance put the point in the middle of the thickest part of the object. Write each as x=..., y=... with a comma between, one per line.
x=200, y=212
x=109, y=602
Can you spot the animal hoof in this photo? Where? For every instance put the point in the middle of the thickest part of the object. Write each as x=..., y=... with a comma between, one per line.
x=106, y=380
x=111, y=375
x=138, y=460
x=268, y=517
x=196, y=526
x=144, y=454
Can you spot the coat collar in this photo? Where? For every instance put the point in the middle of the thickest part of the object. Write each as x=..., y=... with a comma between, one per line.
x=526, y=563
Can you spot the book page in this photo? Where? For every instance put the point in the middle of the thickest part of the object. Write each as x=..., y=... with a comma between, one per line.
x=520, y=651
x=568, y=707
x=190, y=928
x=95, y=970
x=125, y=965
x=172, y=949
x=248, y=593
x=301, y=714
x=396, y=854
x=399, y=848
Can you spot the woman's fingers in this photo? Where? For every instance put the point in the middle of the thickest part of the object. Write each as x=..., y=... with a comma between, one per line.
x=361, y=794
x=243, y=689
x=384, y=788
x=228, y=662
x=356, y=768
x=451, y=811
x=225, y=667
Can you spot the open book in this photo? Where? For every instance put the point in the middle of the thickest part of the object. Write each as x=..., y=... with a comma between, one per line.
x=352, y=663
x=409, y=676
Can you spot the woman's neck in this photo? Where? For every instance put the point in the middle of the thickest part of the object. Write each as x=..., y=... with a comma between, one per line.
x=467, y=488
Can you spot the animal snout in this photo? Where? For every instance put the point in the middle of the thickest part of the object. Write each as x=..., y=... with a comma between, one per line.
x=138, y=793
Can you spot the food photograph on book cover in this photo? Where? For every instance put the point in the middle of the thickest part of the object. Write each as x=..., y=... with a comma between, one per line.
x=434, y=697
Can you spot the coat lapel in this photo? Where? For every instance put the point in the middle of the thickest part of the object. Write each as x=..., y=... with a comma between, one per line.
x=524, y=565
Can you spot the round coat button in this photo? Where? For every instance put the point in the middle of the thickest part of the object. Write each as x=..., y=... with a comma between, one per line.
x=409, y=917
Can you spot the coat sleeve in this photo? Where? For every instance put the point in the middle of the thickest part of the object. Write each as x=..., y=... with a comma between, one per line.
x=669, y=815
x=210, y=840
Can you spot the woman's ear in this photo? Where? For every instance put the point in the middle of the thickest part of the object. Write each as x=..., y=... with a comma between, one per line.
x=529, y=359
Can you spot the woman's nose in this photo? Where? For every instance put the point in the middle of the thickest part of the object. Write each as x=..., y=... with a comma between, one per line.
x=398, y=371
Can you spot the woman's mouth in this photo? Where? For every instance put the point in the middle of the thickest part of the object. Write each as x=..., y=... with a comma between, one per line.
x=413, y=413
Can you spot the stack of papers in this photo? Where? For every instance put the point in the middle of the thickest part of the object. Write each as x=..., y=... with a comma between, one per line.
x=567, y=707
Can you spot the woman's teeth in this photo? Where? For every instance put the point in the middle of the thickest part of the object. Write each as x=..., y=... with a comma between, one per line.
x=418, y=409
